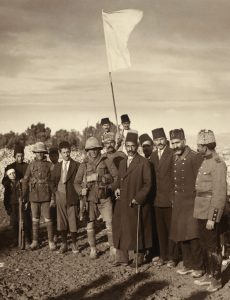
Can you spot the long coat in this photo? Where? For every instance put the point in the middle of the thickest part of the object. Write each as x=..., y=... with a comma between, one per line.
x=70, y=184
x=134, y=183
x=183, y=225
x=164, y=177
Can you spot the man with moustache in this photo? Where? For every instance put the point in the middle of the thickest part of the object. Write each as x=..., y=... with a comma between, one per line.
x=133, y=188
x=184, y=227
x=211, y=191
x=162, y=159
x=146, y=144
x=106, y=126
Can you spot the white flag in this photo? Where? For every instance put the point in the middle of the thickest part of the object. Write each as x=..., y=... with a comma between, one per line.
x=118, y=26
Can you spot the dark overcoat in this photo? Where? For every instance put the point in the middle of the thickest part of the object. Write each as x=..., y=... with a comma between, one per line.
x=164, y=177
x=134, y=183
x=183, y=224
x=70, y=184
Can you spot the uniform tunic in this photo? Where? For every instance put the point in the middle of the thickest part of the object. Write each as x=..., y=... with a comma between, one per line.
x=184, y=225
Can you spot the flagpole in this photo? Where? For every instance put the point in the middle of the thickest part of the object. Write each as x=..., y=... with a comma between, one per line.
x=114, y=102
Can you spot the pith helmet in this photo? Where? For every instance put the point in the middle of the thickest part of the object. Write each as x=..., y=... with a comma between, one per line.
x=92, y=143
x=40, y=148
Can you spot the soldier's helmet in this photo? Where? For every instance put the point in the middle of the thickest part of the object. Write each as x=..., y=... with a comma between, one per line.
x=39, y=147
x=92, y=143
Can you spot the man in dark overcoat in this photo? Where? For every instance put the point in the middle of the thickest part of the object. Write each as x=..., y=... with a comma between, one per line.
x=134, y=186
x=162, y=159
x=184, y=227
x=65, y=196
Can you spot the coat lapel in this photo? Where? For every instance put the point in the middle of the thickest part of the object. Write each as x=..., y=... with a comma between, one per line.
x=132, y=166
x=164, y=156
x=70, y=170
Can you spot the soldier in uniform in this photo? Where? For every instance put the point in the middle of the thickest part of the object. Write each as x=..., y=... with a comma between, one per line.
x=95, y=179
x=184, y=227
x=210, y=201
x=37, y=179
x=162, y=160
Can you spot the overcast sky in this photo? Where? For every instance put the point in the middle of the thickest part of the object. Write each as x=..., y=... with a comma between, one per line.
x=53, y=66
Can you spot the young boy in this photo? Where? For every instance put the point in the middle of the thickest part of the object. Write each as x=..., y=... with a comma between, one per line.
x=11, y=201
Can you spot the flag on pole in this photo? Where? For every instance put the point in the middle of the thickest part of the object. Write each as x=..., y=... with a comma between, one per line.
x=118, y=26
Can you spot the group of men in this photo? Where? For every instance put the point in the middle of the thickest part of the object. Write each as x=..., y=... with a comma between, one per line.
x=173, y=198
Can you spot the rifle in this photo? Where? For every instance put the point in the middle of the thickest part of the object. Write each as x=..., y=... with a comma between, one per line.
x=21, y=233
x=83, y=201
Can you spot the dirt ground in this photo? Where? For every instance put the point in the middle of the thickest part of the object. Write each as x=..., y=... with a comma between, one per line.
x=42, y=274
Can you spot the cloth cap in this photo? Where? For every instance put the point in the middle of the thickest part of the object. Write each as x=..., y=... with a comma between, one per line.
x=39, y=147
x=92, y=143
x=108, y=137
x=205, y=136
x=158, y=133
x=132, y=137
x=177, y=134
x=125, y=118
x=105, y=121
x=144, y=138
x=18, y=149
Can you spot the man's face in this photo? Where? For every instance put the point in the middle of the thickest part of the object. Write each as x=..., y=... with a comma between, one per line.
x=65, y=154
x=131, y=148
x=54, y=157
x=178, y=146
x=147, y=148
x=202, y=149
x=93, y=153
x=19, y=157
x=126, y=125
x=39, y=156
x=106, y=127
x=160, y=143
x=11, y=174
x=109, y=146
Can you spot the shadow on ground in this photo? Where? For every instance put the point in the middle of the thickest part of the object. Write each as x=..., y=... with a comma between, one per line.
x=116, y=291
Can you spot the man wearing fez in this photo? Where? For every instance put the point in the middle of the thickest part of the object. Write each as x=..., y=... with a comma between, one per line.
x=20, y=169
x=184, y=227
x=37, y=180
x=65, y=196
x=162, y=159
x=211, y=191
x=106, y=125
x=121, y=135
x=147, y=147
x=95, y=181
x=133, y=188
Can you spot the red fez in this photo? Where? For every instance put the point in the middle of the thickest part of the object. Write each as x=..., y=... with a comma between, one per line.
x=132, y=137
x=125, y=118
x=105, y=121
x=145, y=137
x=177, y=134
x=158, y=133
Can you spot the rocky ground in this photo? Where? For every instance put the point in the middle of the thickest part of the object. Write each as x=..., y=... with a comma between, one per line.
x=44, y=275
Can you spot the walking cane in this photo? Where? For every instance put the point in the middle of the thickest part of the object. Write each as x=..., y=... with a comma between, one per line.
x=138, y=224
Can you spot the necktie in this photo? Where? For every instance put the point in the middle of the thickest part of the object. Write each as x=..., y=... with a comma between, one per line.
x=64, y=172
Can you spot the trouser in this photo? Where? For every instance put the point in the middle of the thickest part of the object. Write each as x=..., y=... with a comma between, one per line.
x=53, y=213
x=39, y=209
x=105, y=209
x=211, y=249
x=192, y=254
x=168, y=248
x=14, y=220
